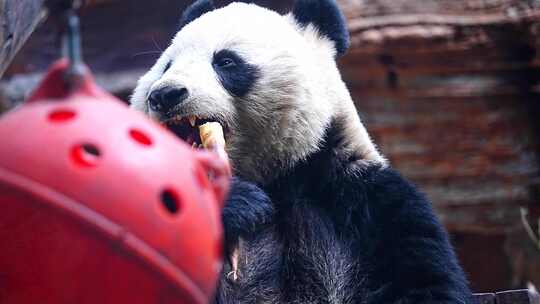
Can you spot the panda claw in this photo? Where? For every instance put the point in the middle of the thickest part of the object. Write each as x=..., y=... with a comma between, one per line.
x=233, y=260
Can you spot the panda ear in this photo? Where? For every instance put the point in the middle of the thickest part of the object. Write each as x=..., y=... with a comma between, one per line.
x=195, y=10
x=327, y=18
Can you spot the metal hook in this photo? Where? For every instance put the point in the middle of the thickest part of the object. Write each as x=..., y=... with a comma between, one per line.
x=71, y=48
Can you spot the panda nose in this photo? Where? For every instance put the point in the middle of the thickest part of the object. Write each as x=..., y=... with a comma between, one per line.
x=164, y=99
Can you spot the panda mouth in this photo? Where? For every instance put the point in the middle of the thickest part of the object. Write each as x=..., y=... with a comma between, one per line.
x=187, y=128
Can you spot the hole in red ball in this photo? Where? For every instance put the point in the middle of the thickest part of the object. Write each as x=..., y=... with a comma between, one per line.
x=86, y=155
x=61, y=115
x=140, y=137
x=169, y=200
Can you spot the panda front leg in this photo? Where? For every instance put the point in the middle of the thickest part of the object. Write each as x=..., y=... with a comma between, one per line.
x=247, y=210
x=411, y=258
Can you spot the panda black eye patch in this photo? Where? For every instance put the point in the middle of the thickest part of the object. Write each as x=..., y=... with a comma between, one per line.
x=235, y=74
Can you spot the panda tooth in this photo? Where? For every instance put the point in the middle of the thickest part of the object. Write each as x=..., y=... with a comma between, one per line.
x=192, y=120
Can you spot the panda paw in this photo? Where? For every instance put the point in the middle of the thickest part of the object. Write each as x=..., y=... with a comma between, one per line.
x=247, y=210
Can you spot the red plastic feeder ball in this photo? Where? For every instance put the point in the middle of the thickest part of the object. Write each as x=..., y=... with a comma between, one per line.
x=101, y=205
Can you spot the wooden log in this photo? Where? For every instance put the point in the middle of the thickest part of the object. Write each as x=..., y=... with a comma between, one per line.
x=18, y=20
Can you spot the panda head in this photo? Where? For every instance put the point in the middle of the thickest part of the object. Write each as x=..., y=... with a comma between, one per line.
x=271, y=80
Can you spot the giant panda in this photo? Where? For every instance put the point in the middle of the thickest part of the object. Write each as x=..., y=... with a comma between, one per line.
x=315, y=214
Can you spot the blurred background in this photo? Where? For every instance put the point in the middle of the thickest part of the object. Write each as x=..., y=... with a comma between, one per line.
x=449, y=89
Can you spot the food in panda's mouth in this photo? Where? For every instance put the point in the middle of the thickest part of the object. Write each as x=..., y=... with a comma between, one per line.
x=188, y=129
x=212, y=135
x=213, y=138
x=201, y=133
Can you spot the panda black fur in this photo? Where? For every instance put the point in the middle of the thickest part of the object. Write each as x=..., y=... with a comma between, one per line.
x=317, y=214
x=337, y=237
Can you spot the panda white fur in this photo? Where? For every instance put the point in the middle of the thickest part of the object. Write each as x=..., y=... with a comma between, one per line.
x=321, y=215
